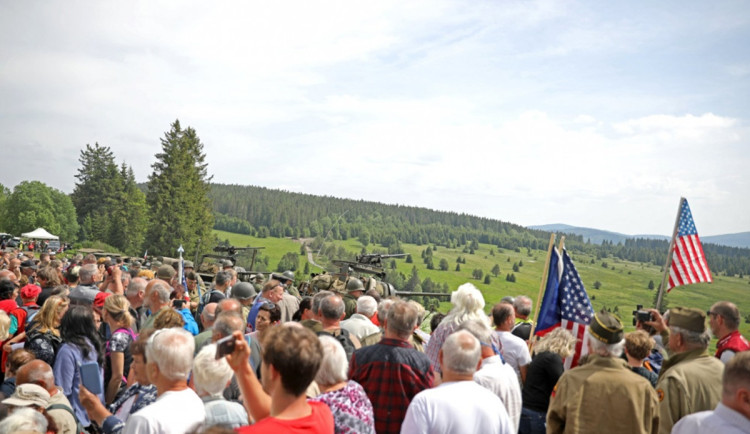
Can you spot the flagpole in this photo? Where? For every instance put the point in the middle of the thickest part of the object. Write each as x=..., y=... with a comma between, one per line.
x=541, y=289
x=668, y=263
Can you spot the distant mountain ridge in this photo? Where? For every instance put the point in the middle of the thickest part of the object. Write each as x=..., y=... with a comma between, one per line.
x=597, y=236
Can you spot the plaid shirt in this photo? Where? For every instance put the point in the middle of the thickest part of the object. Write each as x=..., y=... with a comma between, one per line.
x=391, y=372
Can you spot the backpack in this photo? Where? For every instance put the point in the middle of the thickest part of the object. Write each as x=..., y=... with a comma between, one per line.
x=79, y=427
x=30, y=314
x=343, y=337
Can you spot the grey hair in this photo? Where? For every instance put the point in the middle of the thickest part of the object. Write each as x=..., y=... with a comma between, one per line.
x=461, y=352
x=317, y=298
x=228, y=323
x=334, y=366
x=24, y=420
x=478, y=329
x=209, y=374
x=162, y=291
x=332, y=307
x=383, y=309
x=420, y=310
x=222, y=278
x=693, y=339
x=522, y=305
x=604, y=349
x=172, y=351
x=366, y=305
x=401, y=319
x=137, y=284
x=86, y=273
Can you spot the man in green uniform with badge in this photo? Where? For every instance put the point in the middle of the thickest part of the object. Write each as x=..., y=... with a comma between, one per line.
x=603, y=395
x=354, y=290
x=690, y=380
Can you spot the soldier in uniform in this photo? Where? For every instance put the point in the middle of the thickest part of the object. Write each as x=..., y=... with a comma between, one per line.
x=257, y=281
x=690, y=380
x=289, y=276
x=354, y=290
x=603, y=395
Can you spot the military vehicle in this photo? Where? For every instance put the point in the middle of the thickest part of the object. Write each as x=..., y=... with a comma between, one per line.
x=211, y=263
x=369, y=269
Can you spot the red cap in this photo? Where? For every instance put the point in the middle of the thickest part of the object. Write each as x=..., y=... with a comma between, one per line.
x=30, y=291
x=99, y=299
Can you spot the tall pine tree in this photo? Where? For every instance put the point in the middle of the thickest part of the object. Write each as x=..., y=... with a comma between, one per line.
x=109, y=205
x=178, y=188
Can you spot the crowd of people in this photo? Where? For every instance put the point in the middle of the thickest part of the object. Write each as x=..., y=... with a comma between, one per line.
x=99, y=346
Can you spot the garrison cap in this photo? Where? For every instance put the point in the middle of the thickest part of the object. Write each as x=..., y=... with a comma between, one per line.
x=606, y=327
x=688, y=318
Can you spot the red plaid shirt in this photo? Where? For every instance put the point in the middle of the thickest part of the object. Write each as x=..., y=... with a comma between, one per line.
x=391, y=372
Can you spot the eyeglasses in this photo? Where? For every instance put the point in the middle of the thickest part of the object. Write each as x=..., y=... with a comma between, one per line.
x=709, y=313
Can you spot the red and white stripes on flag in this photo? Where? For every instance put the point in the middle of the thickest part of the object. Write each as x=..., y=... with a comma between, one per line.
x=688, y=260
x=577, y=330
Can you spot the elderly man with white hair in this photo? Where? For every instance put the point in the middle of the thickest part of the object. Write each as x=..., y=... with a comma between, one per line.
x=210, y=378
x=458, y=405
x=603, y=395
x=360, y=324
x=494, y=374
x=468, y=303
x=169, y=353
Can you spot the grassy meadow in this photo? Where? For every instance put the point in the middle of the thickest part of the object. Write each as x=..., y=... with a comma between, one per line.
x=624, y=284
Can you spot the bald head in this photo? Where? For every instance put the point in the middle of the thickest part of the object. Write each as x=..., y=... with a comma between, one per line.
x=7, y=274
x=208, y=316
x=37, y=372
x=228, y=305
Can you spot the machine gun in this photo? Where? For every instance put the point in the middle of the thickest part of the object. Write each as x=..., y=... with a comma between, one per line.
x=231, y=250
x=376, y=259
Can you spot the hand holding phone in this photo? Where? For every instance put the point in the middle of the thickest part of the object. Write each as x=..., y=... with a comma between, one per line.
x=224, y=346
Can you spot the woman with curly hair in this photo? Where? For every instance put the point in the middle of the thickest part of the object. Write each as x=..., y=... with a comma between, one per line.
x=118, y=358
x=545, y=369
x=43, y=337
x=81, y=344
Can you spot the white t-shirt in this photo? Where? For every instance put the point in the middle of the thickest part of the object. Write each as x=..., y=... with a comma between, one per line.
x=500, y=379
x=172, y=412
x=456, y=407
x=515, y=351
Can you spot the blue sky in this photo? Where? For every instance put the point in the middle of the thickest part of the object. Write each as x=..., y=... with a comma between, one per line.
x=598, y=114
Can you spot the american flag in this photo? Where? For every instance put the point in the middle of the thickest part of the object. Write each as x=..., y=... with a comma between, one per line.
x=688, y=261
x=565, y=304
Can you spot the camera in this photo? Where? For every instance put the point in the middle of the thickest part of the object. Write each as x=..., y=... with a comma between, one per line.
x=641, y=315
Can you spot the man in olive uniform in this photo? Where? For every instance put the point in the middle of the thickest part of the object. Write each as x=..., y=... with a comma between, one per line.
x=287, y=278
x=354, y=290
x=690, y=380
x=603, y=395
x=258, y=280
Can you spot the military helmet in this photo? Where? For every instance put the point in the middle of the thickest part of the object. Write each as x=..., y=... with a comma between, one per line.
x=258, y=276
x=354, y=284
x=243, y=291
x=289, y=274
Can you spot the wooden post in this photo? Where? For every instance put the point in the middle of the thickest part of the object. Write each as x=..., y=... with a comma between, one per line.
x=541, y=290
x=668, y=263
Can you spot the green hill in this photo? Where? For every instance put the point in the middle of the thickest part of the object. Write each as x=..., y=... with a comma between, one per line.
x=623, y=284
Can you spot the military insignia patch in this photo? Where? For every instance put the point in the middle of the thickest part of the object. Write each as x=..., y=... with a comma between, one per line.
x=660, y=394
x=554, y=389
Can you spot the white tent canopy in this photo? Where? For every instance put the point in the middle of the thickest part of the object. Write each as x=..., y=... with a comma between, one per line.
x=40, y=234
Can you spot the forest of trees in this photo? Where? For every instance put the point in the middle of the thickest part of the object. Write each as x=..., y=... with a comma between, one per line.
x=266, y=212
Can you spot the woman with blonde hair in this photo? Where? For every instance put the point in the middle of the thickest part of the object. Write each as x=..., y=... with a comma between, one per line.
x=43, y=337
x=117, y=350
x=545, y=369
